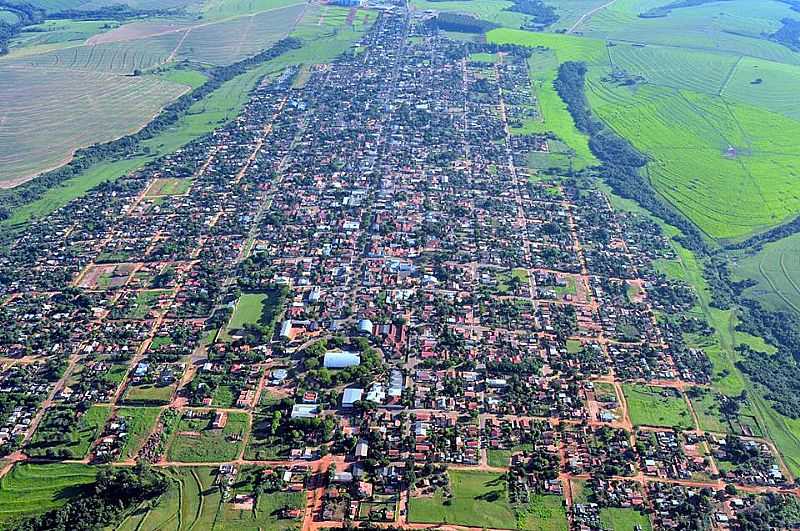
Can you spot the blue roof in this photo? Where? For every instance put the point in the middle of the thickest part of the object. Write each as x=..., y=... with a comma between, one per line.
x=339, y=359
x=351, y=396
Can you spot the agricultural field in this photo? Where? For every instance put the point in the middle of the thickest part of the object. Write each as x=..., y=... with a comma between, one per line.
x=53, y=35
x=54, y=99
x=657, y=406
x=30, y=489
x=776, y=271
x=196, y=441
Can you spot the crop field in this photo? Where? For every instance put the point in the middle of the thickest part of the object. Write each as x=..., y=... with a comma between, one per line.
x=116, y=57
x=491, y=10
x=82, y=107
x=55, y=34
x=766, y=84
x=139, y=422
x=195, y=441
x=657, y=406
x=479, y=500
x=735, y=26
x=228, y=41
x=776, y=270
x=668, y=67
x=221, y=9
x=32, y=489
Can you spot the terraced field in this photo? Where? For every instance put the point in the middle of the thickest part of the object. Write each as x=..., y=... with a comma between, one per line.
x=47, y=113
x=32, y=489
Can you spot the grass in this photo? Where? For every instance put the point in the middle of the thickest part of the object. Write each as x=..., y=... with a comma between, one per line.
x=544, y=513
x=79, y=440
x=145, y=301
x=139, y=422
x=30, y=489
x=169, y=186
x=624, y=519
x=656, y=406
x=479, y=500
x=149, y=394
x=255, y=309
x=491, y=10
x=196, y=442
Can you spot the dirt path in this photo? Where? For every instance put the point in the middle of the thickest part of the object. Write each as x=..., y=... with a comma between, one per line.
x=588, y=15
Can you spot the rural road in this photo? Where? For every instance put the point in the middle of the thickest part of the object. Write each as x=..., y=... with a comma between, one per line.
x=588, y=14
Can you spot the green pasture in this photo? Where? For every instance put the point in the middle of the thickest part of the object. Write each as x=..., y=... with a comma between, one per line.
x=30, y=489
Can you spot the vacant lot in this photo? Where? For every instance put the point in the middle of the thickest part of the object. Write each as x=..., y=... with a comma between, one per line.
x=31, y=489
x=624, y=520
x=656, y=406
x=139, y=422
x=479, y=500
x=196, y=441
x=169, y=186
x=51, y=441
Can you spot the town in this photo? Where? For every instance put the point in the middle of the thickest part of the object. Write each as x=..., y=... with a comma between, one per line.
x=357, y=300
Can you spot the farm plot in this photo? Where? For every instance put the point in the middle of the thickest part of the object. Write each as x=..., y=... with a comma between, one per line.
x=776, y=270
x=30, y=489
x=491, y=10
x=50, y=112
x=55, y=34
x=766, y=84
x=732, y=26
x=116, y=57
x=228, y=41
x=707, y=156
x=699, y=71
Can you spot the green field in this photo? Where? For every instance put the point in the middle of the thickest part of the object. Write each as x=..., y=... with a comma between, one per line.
x=656, y=406
x=776, y=270
x=255, y=309
x=479, y=500
x=196, y=442
x=624, y=520
x=148, y=394
x=33, y=489
x=78, y=441
x=140, y=422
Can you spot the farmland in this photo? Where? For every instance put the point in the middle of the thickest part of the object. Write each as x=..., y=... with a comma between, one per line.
x=32, y=489
x=55, y=99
